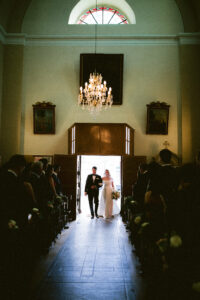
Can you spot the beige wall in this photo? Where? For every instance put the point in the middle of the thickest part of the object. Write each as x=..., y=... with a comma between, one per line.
x=11, y=101
x=152, y=70
x=52, y=74
x=190, y=91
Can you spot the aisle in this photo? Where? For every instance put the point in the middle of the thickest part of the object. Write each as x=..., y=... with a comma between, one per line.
x=95, y=262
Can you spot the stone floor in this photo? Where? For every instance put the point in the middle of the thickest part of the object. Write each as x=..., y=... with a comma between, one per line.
x=95, y=262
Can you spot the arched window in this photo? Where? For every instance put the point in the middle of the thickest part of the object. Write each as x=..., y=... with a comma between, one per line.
x=108, y=12
x=103, y=15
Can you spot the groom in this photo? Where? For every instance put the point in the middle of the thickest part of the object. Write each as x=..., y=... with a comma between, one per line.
x=93, y=183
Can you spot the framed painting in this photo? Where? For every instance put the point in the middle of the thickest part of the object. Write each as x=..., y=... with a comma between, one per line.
x=48, y=157
x=110, y=66
x=44, y=118
x=157, y=118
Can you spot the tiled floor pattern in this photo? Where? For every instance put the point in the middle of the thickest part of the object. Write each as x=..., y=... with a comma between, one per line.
x=96, y=262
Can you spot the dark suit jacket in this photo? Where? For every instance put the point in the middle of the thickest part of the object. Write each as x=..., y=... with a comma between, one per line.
x=14, y=203
x=57, y=184
x=169, y=181
x=89, y=183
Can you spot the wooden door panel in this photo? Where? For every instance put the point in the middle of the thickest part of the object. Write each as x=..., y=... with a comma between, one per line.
x=129, y=172
x=111, y=139
x=87, y=139
x=78, y=184
x=100, y=139
x=68, y=175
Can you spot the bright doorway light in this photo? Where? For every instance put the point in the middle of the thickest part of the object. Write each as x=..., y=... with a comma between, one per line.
x=112, y=163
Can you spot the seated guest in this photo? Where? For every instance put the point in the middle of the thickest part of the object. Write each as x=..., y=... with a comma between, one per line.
x=13, y=204
x=154, y=177
x=168, y=185
x=26, y=174
x=140, y=186
x=188, y=205
x=155, y=208
x=45, y=164
x=56, y=179
x=35, y=180
x=49, y=188
x=168, y=175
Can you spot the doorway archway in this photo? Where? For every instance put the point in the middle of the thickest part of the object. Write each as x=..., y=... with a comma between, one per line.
x=99, y=139
x=112, y=163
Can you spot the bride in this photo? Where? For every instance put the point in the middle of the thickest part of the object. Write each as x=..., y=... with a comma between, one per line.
x=106, y=206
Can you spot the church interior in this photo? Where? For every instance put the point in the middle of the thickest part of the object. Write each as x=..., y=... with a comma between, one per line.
x=107, y=89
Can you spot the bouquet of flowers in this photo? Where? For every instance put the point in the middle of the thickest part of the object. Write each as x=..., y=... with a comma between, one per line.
x=115, y=195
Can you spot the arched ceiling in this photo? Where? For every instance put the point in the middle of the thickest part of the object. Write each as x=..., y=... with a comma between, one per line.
x=12, y=13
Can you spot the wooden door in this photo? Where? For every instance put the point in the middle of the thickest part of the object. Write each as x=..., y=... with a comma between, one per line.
x=78, y=184
x=101, y=139
x=129, y=169
x=68, y=176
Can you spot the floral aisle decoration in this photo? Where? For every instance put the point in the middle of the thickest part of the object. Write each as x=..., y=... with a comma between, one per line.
x=138, y=220
x=50, y=205
x=36, y=211
x=12, y=224
x=175, y=241
x=58, y=200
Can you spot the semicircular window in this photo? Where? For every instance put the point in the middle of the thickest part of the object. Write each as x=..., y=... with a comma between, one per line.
x=102, y=15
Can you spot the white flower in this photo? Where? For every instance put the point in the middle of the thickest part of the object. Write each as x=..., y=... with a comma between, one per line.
x=175, y=241
x=145, y=224
x=196, y=286
x=12, y=224
x=35, y=210
x=137, y=220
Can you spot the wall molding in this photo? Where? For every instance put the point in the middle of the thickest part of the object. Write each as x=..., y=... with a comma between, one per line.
x=80, y=40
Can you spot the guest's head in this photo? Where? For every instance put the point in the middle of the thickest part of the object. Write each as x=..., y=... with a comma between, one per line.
x=37, y=167
x=165, y=156
x=49, y=170
x=143, y=168
x=17, y=163
x=27, y=171
x=94, y=170
x=57, y=168
x=45, y=163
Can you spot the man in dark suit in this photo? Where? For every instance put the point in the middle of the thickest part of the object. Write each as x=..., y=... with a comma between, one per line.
x=37, y=183
x=56, y=179
x=12, y=191
x=93, y=183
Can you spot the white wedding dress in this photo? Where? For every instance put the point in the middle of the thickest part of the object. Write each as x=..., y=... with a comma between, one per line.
x=107, y=206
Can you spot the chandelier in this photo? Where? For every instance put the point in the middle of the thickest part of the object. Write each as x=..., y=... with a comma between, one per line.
x=95, y=95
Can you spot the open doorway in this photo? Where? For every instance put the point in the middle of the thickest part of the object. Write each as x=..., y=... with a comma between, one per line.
x=112, y=163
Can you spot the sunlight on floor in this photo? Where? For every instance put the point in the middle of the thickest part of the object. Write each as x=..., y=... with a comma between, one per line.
x=112, y=163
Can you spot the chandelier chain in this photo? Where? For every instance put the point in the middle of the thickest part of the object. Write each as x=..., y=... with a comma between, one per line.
x=95, y=95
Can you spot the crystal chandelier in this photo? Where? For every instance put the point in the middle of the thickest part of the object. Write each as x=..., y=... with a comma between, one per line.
x=95, y=95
